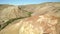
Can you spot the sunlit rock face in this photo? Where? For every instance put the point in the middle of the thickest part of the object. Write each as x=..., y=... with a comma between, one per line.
x=39, y=24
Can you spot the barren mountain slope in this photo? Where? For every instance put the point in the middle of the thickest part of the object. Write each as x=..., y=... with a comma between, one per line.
x=37, y=7
x=11, y=13
x=39, y=24
x=49, y=7
x=45, y=19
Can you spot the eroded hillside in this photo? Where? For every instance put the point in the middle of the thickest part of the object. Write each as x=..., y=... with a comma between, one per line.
x=31, y=19
x=10, y=13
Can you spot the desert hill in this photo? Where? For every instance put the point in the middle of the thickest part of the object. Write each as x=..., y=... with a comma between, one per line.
x=10, y=13
x=49, y=7
x=13, y=18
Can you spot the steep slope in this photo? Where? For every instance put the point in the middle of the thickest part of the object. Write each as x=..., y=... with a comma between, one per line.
x=39, y=24
x=45, y=19
x=52, y=8
x=11, y=13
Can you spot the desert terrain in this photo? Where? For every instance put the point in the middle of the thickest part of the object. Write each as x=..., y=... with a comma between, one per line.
x=41, y=18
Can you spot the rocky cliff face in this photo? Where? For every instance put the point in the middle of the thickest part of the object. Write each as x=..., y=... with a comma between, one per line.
x=31, y=19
